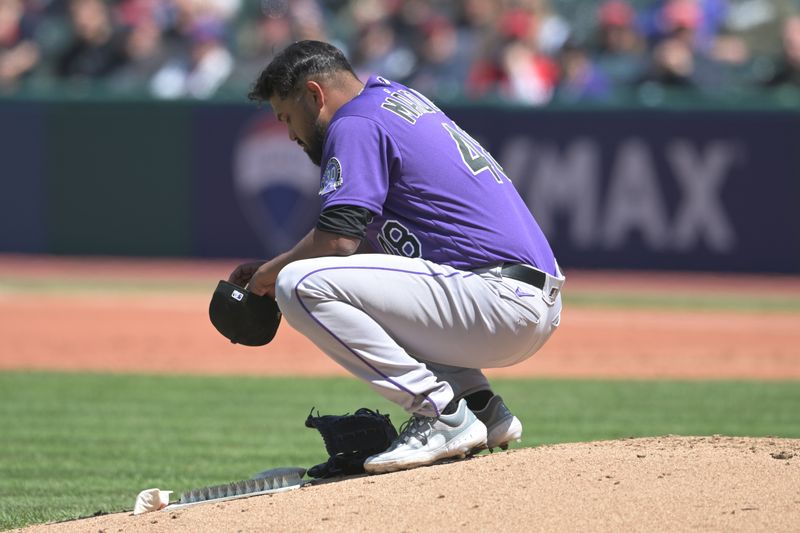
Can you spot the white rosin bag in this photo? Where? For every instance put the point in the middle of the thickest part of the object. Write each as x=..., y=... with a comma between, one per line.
x=151, y=500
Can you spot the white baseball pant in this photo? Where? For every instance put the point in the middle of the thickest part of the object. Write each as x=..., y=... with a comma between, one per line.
x=418, y=332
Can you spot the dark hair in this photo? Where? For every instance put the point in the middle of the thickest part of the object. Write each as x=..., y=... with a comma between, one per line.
x=294, y=65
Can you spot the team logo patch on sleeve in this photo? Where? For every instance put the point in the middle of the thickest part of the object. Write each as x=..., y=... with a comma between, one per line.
x=332, y=177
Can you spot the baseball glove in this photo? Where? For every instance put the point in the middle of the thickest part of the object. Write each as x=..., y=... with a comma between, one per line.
x=243, y=317
x=350, y=440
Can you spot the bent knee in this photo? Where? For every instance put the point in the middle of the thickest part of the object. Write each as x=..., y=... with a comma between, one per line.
x=302, y=282
x=304, y=279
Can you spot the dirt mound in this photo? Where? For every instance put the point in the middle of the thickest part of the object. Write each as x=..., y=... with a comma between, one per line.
x=664, y=483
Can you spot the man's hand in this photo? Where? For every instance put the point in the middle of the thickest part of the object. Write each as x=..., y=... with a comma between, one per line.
x=262, y=282
x=243, y=273
x=259, y=277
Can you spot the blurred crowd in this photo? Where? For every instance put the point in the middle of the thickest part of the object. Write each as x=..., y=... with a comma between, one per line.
x=524, y=51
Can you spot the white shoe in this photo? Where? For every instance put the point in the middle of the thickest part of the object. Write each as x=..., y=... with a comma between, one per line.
x=501, y=424
x=426, y=440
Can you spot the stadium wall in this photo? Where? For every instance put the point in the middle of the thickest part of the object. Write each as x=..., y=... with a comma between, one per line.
x=623, y=188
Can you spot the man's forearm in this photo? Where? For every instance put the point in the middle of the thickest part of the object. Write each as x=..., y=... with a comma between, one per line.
x=316, y=243
x=306, y=248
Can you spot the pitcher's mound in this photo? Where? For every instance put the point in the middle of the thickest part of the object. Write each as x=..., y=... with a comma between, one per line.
x=653, y=484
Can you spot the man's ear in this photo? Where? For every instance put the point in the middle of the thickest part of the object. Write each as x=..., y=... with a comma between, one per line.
x=316, y=93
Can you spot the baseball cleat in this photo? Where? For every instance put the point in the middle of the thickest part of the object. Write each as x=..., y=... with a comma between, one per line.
x=426, y=440
x=501, y=425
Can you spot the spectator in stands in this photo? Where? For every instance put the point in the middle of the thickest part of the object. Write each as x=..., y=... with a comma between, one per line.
x=378, y=50
x=787, y=72
x=98, y=45
x=479, y=16
x=719, y=53
x=730, y=49
x=581, y=80
x=206, y=68
x=482, y=48
x=476, y=22
x=181, y=16
x=619, y=49
x=144, y=41
x=706, y=18
x=680, y=20
x=443, y=65
x=145, y=45
x=530, y=76
x=518, y=72
x=19, y=52
x=552, y=30
x=409, y=17
x=180, y=19
x=260, y=36
x=269, y=27
x=307, y=19
x=672, y=64
x=675, y=61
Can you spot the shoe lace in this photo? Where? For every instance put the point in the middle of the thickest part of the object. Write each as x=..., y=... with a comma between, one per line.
x=417, y=426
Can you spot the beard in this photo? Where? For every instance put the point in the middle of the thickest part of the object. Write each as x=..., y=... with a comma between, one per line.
x=315, y=143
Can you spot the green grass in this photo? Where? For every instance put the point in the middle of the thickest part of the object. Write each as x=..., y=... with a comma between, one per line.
x=683, y=301
x=102, y=286
x=75, y=444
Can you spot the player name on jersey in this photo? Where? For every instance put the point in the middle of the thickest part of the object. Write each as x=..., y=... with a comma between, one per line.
x=408, y=105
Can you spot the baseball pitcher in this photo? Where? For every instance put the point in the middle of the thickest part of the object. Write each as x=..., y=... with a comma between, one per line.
x=425, y=265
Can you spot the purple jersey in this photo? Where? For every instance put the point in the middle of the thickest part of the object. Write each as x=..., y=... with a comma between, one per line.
x=436, y=193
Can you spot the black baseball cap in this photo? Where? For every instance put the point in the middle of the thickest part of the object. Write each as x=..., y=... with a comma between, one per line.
x=243, y=317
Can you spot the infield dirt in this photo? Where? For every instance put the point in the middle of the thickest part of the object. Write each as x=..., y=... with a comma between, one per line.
x=125, y=329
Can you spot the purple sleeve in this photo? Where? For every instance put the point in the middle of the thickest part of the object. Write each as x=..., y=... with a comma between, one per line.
x=358, y=159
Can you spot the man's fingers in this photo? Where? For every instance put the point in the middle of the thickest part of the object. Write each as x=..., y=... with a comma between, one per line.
x=242, y=274
x=263, y=291
x=237, y=278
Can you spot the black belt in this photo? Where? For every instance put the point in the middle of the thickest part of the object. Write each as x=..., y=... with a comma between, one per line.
x=525, y=274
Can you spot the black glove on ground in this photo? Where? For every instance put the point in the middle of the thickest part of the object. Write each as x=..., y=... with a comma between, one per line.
x=350, y=439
